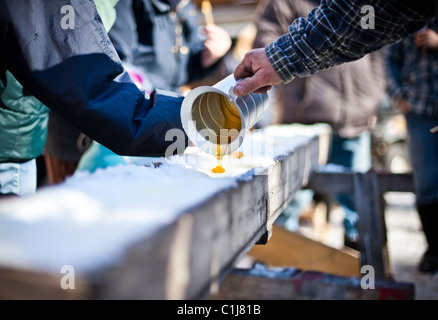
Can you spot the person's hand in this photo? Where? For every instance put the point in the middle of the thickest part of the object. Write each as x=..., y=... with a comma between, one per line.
x=427, y=39
x=256, y=72
x=404, y=106
x=216, y=45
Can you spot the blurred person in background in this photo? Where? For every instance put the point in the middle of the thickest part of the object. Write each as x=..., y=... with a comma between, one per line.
x=163, y=46
x=346, y=97
x=73, y=69
x=412, y=67
x=23, y=132
x=165, y=39
x=65, y=144
x=23, y=127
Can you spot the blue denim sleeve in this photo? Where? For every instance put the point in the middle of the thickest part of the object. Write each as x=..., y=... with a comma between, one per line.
x=60, y=52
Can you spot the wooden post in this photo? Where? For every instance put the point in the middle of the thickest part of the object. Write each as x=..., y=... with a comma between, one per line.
x=368, y=189
x=372, y=242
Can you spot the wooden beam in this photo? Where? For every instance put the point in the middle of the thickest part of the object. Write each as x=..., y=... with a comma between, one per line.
x=128, y=241
x=309, y=286
x=331, y=182
x=290, y=249
x=22, y=284
x=338, y=182
x=371, y=225
x=396, y=182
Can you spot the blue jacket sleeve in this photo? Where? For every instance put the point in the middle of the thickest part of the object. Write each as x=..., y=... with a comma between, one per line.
x=60, y=52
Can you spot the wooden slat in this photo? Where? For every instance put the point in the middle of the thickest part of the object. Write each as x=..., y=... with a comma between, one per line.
x=241, y=287
x=334, y=182
x=372, y=241
x=310, y=286
x=397, y=182
x=290, y=249
x=21, y=284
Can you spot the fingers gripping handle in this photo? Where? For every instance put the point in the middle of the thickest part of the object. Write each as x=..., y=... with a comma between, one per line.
x=231, y=91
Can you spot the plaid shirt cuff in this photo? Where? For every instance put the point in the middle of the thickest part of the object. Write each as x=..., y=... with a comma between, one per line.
x=281, y=62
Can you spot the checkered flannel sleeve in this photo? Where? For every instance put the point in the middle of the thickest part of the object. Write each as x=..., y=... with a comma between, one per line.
x=334, y=33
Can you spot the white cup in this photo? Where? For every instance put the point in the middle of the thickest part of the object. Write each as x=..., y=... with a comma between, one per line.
x=214, y=116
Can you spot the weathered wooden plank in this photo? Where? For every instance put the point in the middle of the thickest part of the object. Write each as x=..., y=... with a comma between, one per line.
x=310, y=286
x=289, y=249
x=399, y=182
x=334, y=182
x=371, y=224
x=331, y=183
x=23, y=284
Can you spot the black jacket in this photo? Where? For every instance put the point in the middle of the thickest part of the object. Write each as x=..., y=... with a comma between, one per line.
x=78, y=74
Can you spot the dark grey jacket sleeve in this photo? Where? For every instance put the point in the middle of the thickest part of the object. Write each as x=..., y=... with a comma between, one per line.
x=60, y=52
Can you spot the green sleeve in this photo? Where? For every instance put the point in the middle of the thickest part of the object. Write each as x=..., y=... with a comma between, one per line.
x=107, y=12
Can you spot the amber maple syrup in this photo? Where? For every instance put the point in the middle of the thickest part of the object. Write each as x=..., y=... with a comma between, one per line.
x=219, y=168
x=231, y=120
x=220, y=149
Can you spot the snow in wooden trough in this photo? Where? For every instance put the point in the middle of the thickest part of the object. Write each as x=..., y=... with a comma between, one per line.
x=92, y=218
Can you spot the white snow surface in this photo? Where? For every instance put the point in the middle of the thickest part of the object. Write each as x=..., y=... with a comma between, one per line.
x=90, y=220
